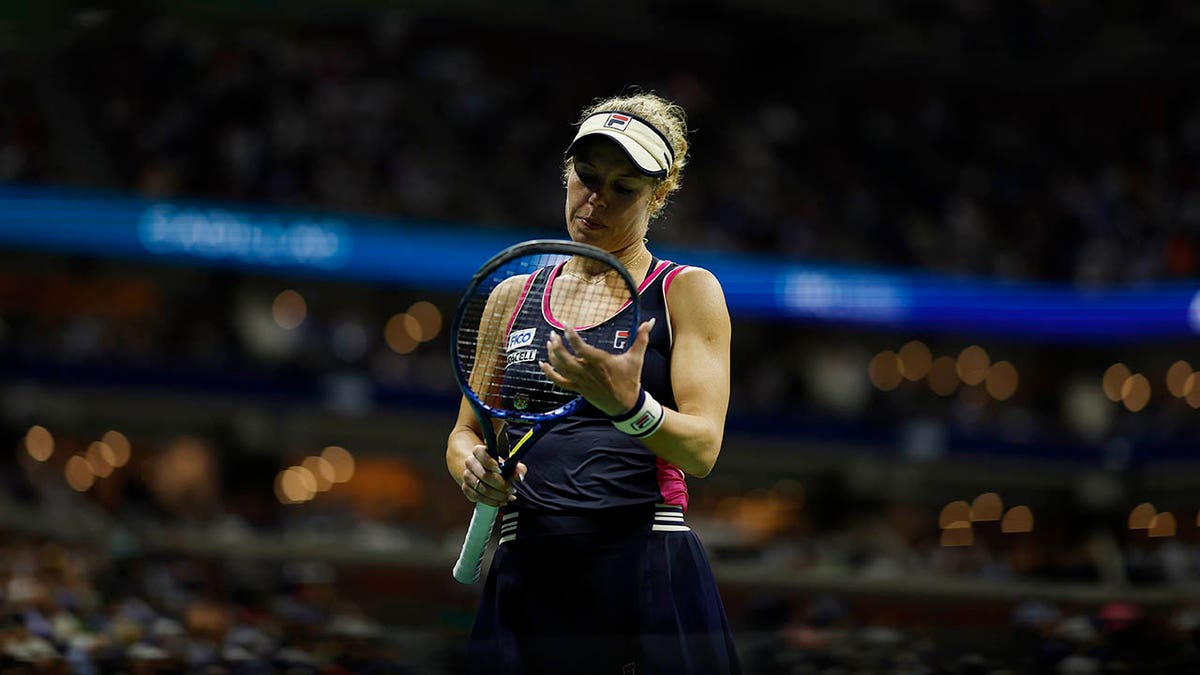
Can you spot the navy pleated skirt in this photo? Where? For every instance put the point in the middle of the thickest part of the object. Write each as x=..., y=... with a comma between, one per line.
x=617, y=592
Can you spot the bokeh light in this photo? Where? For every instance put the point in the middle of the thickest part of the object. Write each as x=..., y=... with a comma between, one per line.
x=943, y=376
x=987, y=507
x=78, y=472
x=428, y=320
x=957, y=533
x=1017, y=519
x=958, y=510
x=102, y=459
x=1114, y=381
x=1002, y=380
x=884, y=370
x=1141, y=516
x=1192, y=390
x=183, y=474
x=342, y=462
x=289, y=310
x=307, y=480
x=398, y=333
x=39, y=443
x=1135, y=393
x=1177, y=378
x=915, y=360
x=1163, y=525
x=121, y=447
x=322, y=471
x=291, y=487
x=972, y=365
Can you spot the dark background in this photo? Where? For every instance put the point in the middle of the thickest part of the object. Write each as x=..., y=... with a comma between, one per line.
x=1051, y=144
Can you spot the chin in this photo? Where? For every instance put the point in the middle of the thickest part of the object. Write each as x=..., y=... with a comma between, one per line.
x=582, y=234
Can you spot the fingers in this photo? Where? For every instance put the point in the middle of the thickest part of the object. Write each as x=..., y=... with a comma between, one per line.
x=482, y=482
x=642, y=341
x=560, y=366
x=559, y=356
x=556, y=377
x=582, y=350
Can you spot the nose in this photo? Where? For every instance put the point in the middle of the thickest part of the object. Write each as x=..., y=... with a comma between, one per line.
x=596, y=198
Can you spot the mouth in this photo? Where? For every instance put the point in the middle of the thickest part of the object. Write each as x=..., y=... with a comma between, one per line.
x=590, y=224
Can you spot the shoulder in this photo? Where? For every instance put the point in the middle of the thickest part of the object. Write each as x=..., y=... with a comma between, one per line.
x=508, y=293
x=687, y=283
x=695, y=296
x=514, y=282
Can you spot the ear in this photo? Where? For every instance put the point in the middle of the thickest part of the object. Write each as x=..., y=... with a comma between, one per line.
x=658, y=198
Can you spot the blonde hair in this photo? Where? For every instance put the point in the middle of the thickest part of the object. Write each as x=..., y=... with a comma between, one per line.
x=669, y=118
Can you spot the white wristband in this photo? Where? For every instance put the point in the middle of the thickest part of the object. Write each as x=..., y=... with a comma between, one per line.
x=643, y=419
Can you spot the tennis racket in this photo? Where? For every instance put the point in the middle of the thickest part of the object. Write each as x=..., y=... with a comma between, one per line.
x=499, y=335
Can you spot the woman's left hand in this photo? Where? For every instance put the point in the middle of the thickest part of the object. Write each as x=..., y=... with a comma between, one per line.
x=611, y=382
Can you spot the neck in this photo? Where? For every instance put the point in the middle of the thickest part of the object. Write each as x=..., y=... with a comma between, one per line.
x=633, y=256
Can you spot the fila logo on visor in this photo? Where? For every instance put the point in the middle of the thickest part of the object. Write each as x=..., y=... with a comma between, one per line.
x=520, y=338
x=617, y=121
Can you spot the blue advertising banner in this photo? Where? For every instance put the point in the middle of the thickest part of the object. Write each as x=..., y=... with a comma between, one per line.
x=442, y=256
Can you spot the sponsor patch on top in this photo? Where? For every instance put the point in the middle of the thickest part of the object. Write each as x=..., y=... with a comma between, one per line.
x=521, y=356
x=520, y=338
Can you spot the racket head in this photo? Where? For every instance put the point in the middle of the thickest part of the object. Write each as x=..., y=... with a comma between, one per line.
x=480, y=330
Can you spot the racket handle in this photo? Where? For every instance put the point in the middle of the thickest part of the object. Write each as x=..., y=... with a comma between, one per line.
x=466, y=570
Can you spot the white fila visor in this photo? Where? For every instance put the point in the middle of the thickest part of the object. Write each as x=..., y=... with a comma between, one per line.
x=645, y=145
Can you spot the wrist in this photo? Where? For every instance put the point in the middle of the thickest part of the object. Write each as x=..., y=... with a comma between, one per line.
x=643, y=419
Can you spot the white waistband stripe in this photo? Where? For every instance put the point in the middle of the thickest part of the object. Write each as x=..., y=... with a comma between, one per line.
x=666, y=519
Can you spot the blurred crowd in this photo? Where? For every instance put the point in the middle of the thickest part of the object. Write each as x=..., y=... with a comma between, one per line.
x=84, y=610
x=828, y=635
x=100, y=603
x=1034, y=172
x=25, y=149
x=891, y=141
x=1018, y=167
x=193, y=328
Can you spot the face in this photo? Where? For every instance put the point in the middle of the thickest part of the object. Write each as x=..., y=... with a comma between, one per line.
x=608, y=201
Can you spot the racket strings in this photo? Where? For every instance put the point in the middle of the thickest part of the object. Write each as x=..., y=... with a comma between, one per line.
x=502, y=335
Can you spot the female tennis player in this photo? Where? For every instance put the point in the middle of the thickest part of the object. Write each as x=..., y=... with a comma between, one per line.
x=597, y=571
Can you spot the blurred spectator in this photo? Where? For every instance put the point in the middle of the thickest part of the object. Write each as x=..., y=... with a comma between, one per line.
x=978, y=173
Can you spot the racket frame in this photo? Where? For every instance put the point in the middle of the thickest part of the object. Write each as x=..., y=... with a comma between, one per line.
x=470, y=558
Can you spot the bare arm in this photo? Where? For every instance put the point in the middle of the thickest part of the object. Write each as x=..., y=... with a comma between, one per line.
x=467, y=459
x=691, y=436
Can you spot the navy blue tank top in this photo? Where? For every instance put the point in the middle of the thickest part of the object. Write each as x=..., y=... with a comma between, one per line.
x=584, y=462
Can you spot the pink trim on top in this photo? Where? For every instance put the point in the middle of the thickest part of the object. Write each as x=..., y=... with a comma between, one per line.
x=520, y=301
x=671, y=277
x=671, y=484
x=662, y=265
x=666, y=306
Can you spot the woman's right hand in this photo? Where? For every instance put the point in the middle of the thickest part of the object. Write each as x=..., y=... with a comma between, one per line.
x=481, y=480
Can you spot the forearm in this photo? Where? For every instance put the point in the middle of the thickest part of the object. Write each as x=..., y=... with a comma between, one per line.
x=459, y=446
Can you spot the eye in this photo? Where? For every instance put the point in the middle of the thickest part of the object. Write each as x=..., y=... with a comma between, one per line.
x=586, y=176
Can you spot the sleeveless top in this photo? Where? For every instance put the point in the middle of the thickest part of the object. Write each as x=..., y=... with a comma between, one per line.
x=584, y=462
